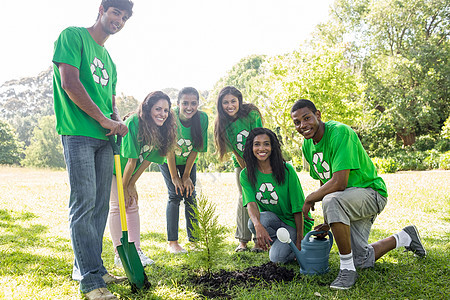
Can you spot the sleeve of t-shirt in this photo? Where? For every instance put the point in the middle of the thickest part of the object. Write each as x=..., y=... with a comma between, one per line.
x=155, y=157
x=130, y=146
x=296, y=195
x=345, y=150
x=68, y=48
x=248, y=195
x=114, y=83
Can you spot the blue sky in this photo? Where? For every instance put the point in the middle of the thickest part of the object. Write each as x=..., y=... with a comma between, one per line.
x=167, y=43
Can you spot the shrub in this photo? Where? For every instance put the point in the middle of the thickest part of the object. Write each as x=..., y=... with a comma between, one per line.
x=443, y=145
x=385, y=165
x=425, y=142
x=410, y=160
x=432, y=160
x=444, y=161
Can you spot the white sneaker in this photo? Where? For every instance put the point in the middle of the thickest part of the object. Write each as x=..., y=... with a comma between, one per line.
x=117, y=261
x=144, y=259
x=100, y=294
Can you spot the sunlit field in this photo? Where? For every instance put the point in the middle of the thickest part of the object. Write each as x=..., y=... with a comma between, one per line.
x=36, y=254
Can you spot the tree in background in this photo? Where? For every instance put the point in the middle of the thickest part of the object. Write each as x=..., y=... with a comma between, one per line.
x=126, y=104
x=402, y=48
x=45, y=149
x=10, y=147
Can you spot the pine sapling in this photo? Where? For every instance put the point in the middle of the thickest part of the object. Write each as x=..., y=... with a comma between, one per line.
x=208, y=233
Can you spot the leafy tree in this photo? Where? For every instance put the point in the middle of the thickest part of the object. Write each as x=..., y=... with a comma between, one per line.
x=402, y=48
x=10, y=147
x=45, y=149
x=126, y=104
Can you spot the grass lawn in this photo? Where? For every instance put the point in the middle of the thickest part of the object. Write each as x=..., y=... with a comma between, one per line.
x=36, y=253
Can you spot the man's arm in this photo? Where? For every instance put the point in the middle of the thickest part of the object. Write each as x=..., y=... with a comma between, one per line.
x=70, y=82
x=338, y=182
x=298, y=218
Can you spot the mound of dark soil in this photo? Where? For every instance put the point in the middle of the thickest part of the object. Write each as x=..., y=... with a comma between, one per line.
x=216, y=284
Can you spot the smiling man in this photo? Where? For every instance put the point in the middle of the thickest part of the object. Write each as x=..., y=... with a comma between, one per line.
x=351, y=192
x=84, y=84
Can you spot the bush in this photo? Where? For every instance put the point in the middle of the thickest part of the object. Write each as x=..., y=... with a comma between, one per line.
x=425, y=142
x=443, y=145
x=385, y=165
x=432, y=160
x=444, y=161
x=410, y=160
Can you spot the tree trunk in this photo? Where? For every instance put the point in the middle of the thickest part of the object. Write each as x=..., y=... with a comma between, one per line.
x=407, y=138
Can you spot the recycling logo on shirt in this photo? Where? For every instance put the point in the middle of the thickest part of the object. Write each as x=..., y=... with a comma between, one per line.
x=99, y=73
x=184, y=147
x=267, y=194
x=144, y=150
x=240, y=139
x=319, y=163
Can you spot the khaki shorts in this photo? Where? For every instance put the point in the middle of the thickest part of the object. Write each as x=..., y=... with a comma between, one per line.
x=358, y=208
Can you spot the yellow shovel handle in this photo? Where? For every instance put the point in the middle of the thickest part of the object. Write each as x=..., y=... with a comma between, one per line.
x=123, y=217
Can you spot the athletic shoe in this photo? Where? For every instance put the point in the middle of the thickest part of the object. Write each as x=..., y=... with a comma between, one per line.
x=144, y=259
x=175, y=251
x=100, y=294
x=109, y=278
x=117, y=261
x=345, y=280
x=416, y=244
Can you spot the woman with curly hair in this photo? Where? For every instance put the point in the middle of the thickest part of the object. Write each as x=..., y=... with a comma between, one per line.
x=151, y=135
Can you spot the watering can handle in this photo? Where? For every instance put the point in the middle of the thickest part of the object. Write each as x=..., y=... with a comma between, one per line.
x=313, y=232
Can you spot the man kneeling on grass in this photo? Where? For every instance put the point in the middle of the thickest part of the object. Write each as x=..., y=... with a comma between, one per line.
x=351, y=192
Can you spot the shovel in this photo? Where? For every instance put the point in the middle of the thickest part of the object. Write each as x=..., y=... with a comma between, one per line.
x=127, y=251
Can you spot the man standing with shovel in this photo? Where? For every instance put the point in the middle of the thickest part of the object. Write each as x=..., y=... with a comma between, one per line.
x=84, y=83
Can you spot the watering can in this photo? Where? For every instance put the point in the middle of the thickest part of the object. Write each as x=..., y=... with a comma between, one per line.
x=313, y=258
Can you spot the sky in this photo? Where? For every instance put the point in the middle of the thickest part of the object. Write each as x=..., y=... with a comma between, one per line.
x=166, y=43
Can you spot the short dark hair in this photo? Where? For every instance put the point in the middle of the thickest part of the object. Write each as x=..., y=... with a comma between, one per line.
x=126, y=5
x=304, y=103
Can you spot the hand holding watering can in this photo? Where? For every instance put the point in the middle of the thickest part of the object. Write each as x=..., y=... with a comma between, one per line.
x=313, y=258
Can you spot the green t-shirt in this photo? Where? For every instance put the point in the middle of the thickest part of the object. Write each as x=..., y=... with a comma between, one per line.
x=237, y=132
x=76, y=47
x=283, y=200
x=340, y=149
x=133, y=148
x=184, y=138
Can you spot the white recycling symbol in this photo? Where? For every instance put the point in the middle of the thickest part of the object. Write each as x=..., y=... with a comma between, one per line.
x=144, y=150
x=103, y=80
x=240, y=139
x=181, y=142
x=318, y=159
x=273, y=194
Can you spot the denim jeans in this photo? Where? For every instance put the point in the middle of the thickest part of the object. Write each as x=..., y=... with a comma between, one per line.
x=89, y=164
x=279, y=252
x=173, y=205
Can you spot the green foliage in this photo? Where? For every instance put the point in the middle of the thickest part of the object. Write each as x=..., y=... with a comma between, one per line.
x=425, y=142
x=126, y=104
x=208, y=233
x=385, y=165
x=45, y=149
x=432, y=160
x=444, y=162
x=445, y=131
x=10, y=147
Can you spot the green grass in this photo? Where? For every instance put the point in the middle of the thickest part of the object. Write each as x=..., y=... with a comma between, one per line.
x=36, y=254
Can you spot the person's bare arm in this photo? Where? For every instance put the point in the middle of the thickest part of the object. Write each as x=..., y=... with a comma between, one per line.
x=70, y=82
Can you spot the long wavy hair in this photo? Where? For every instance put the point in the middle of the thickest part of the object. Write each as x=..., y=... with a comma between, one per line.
x=277, y=162
x=161, y=137
x=196, y=127
x=223, y=119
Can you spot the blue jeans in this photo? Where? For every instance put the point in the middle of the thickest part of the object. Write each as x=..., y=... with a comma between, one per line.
x=89, y=164
x=279, y=252
x=173, y=205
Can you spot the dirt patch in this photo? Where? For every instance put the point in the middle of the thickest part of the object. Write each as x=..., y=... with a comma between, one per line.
x=217, y=285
